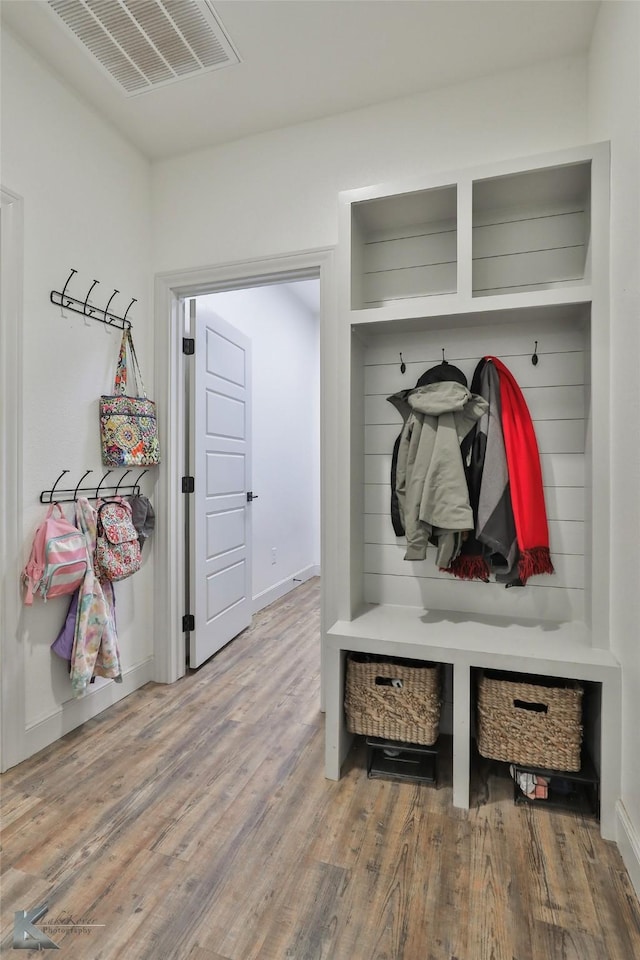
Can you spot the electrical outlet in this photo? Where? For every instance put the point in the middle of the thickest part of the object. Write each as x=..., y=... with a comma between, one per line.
x=273, y=555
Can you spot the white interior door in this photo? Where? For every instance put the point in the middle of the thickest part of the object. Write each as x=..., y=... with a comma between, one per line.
x=220, y=522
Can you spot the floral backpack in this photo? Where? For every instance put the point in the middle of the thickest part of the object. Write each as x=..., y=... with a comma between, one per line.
x=118, y=552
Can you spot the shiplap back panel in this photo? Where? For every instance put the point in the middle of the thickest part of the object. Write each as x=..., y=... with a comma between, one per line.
x=424, y=280
x=554, y=390
x=531, y=270
x=538, y=250
x=535, y=251
x=415, y=261
x=531, y=230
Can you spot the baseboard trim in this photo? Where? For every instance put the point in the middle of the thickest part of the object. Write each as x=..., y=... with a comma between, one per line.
x=280, y=589
x=73, y=713
x=629, y=845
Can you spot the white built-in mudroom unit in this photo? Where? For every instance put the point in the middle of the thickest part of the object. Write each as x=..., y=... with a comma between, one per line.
x=509, y=260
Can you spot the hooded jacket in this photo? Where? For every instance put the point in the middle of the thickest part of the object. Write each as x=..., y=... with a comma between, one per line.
x=430, y=482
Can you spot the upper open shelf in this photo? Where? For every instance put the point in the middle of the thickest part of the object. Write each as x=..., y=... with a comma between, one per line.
x=404, y=246
x=522, y=232
x=531, y=230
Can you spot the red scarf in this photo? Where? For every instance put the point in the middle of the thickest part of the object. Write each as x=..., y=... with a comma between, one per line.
x=525, y=478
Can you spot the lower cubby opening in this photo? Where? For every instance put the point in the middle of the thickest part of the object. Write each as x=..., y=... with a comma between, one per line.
x=537, y=783
x=395, y=760
x=570, y=791
x=403, y=708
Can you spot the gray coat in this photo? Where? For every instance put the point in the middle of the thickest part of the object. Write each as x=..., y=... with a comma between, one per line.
x=430, y=478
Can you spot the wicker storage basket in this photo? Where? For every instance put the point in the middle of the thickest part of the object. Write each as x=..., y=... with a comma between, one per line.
x=534, y=721
x=391, y=698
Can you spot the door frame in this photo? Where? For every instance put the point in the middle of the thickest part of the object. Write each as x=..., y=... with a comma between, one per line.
x=12, y=701
x=171, y=289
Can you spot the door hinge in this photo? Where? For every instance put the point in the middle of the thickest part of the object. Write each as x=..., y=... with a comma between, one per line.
x=188, y=484
x=188, y=622
x=188, y=346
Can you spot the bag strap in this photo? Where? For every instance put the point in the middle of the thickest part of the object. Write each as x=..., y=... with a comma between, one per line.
x=137, y=373
x=120, y=382
x=113, y=501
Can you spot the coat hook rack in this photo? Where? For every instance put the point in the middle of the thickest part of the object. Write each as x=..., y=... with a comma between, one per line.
x=71, y=494
x=86, y=309
x=534, y=358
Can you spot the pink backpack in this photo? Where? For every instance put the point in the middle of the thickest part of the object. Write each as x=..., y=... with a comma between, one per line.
x=58, y=561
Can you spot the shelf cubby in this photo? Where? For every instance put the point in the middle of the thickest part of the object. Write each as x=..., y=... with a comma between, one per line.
x=404, y=247
x=531, y=230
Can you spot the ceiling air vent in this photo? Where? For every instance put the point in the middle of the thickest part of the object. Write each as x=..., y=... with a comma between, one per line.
x=144, y=44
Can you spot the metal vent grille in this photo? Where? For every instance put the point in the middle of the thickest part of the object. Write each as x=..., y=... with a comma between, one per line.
x=144, y=44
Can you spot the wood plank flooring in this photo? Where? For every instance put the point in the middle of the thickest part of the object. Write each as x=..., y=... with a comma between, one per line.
x=194, y=821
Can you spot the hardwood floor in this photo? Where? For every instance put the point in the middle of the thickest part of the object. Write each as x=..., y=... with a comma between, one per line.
x=194, y=821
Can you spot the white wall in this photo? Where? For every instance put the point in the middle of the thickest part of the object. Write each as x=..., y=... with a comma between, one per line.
x=277, y=192
x=285, y=431
x=86, y=205
x=614, y=113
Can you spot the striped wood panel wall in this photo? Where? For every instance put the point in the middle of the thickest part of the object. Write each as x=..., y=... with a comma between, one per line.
x=529, y=249
x=537, y=251
x=417, y=261
x=555, y=393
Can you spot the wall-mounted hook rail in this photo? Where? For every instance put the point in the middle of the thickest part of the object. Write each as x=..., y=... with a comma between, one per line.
x=71, y=494
x=87, y=309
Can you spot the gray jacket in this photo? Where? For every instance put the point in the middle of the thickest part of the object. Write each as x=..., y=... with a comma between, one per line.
x=430, y=478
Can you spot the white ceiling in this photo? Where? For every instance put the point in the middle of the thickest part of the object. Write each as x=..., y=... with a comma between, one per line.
x=306, y=59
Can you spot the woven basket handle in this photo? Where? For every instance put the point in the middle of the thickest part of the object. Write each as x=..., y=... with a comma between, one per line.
x=534, y=707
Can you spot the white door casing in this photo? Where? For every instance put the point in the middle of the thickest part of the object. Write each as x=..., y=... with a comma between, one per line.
x=171, y=289
x=220, y=517
x=12, y=674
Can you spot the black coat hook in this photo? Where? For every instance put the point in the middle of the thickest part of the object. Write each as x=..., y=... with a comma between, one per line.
x=106, y=309
x=75, y=492
x=64, y=289
x=97, y=497
x=87, y=309
x=403, y=366
x=534, y=358
x=120, y=481
x=139, y=478
x=127, y=323
x=443, y=356
x=47, y=495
